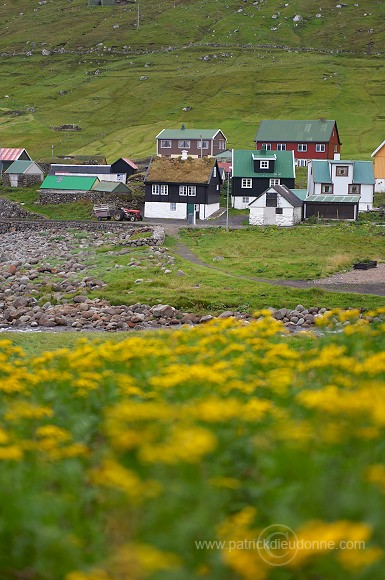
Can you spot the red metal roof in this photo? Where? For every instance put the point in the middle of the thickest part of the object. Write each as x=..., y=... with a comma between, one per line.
x=129, y=162
x=10, y=154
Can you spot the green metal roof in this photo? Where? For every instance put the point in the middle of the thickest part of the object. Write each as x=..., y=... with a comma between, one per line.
x=362, y=170
x=187, y=133
x=324, y=198
x=18, y=167
x=300, y=193
x=68, y=182
x=318, y=131
x=243, y=164
x=111, y=186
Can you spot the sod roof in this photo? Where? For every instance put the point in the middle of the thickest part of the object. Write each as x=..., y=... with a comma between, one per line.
x=166, y=170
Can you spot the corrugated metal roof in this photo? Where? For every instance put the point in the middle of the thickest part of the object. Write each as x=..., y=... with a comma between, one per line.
x=187, y=133
x=130, y=163
x=363, y=172
x=62, y=169
x=10, y=153
x=68, y=182
x=300, y=193
x=318, y=131
x=333, y=198
x=18, y=167
x=243, y=164
x=111, y=186
x=321, y=171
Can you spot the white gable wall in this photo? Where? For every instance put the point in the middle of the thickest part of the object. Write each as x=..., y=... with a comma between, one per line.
x=261, y=215
x=366, y=199
x=380, y=185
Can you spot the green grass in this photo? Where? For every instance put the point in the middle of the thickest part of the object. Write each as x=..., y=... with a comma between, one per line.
x=29, y=199
x=304, y=252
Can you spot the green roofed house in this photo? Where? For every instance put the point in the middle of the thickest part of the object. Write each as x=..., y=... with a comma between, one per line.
x=255, y=171
x=338, y=189
x=23, y=174
x=309, y=139
x=197, y=142
x=111, y=187
x=68, y=183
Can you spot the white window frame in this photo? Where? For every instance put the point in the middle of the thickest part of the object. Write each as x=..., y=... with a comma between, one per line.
x=302, y=147
x=172, y=206
x=245, y=199
x=263, y=164
x=301, y=162
x=246, y=183
x=222, y=144
x=191, y=190
x=266, y=146
x=281, y=146
x=183, y=144
x=320, y=148
x=164, y=190
x=274, y=181
x=214, y=172
x=155, y=189
x=163, y=143
x=355, y=185
x=202, y=144
x=183, y=190
x=325, y=186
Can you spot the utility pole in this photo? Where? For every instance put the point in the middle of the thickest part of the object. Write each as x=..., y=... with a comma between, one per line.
x=137, y=25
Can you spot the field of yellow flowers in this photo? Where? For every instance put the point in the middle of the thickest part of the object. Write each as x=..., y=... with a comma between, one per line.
x=225, y=451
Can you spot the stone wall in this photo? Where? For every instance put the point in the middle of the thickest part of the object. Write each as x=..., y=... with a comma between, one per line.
x=24, y=180
x=156, y=239
x=51, y=196
x=11, y=210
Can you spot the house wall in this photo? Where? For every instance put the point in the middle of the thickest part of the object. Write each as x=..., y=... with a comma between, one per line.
x=259, y=185
x=163, y=210
x=366, y=199
x=121, y=177
x=380, y=185
x=332, y=210
x=311, y=152
x=379, y=165
x=121, y=166
x=193, y=151
x=21, y=180
x=289, y=217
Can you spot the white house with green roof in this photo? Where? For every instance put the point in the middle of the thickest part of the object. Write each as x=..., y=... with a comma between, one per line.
x=23, y=173
x=197, y=142
x=349, y=184
x=255, y=171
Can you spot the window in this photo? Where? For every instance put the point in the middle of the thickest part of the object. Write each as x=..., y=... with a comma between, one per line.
x=301, y=162
x=278, y=210
x=326, y=188
x=183, y=190
x=266, y=146
x=274, y=182
x=217, y=187
x=172, y=206
x=264, y=165
x=302, y=147
x=271, y=199
x=155, y=190
x=245, y=199
x=214, y=172
x=203, y=144
x=281, y=146
x=320, y=148
x=354, y=189
x=342, y=170
x=222, y=144
x=184, y=144
x=164, y=190
x=246, y=182
x=191, y=190
x=335, y=147
x=165, y=143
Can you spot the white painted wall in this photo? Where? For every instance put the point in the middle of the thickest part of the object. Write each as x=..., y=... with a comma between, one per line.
x=205, y=211
x=366, y=199
x=237, y=202
x=161, y=209
x=102, y=176
x=380, y=185
x=262, y=215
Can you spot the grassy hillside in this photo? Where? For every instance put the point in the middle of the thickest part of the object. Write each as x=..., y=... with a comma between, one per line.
x=216, y=66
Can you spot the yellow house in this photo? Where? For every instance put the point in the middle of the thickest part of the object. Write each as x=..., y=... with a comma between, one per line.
x=379, y=168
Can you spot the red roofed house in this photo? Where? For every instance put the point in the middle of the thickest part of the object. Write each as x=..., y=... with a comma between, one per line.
x=10, y=154
x=124, y=165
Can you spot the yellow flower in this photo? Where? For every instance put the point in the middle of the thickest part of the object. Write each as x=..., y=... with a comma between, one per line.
x=11, y=453
x=26, y=410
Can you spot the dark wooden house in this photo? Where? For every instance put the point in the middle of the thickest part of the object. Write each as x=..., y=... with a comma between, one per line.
x=197, y=142
x=182, y=188
x=256, y=171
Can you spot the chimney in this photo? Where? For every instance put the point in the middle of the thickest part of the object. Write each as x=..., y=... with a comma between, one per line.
x=337, y=156
x=184, y=154
x=183, y=128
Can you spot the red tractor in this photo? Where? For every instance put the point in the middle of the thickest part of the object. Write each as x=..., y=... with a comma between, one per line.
x=117, y=213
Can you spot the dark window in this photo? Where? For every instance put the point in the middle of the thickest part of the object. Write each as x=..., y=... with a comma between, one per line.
x=278, y=210
x=271, y=200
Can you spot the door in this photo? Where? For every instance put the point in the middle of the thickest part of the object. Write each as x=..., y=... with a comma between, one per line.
x=191, y=213
x=269, y=216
